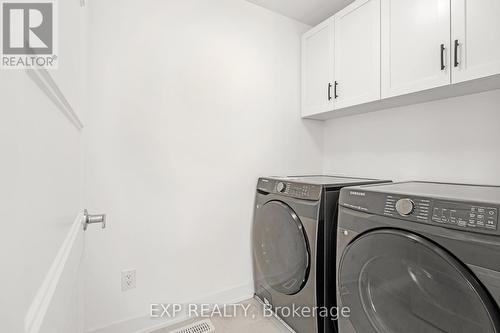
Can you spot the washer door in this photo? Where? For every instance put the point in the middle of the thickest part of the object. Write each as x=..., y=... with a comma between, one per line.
x=394, y=281
x=281, y=249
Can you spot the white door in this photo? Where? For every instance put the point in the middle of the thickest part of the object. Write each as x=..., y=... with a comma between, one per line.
x=357, y=53
x=475, y=32
x=41, y=133
x=317, y=69
x=415, y=45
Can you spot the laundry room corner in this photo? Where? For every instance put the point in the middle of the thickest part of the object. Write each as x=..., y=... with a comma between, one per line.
x=454, y=140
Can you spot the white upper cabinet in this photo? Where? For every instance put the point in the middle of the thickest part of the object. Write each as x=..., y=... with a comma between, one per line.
x=475, y=39
x=357, y=54
x=415, y=45
x=317, y=69
x=377, y=54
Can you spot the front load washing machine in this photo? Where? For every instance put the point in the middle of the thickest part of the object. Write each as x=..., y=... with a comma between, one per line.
x=419, y=257
x=294, y=234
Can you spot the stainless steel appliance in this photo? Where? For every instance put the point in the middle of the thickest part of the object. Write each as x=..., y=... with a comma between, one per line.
x=419, y=257
x=294, y=234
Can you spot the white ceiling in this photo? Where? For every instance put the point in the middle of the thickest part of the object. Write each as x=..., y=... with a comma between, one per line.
x=309, y=12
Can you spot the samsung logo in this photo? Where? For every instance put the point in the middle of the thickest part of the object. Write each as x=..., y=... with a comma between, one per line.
x=359, y=194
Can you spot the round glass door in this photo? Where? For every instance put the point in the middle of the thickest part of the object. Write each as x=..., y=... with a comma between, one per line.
x=281, y=249
x=394, y=281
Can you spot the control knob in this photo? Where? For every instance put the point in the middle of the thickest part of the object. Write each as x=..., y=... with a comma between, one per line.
x=280, y=187
x=405, y=207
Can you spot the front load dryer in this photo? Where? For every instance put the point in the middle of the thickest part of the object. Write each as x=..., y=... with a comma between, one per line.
x=294, y=234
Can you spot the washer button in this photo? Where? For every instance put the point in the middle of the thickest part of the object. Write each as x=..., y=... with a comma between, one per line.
x=405, y=207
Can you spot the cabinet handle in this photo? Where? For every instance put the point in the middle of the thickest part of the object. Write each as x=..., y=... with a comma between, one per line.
x=443, y=67
x=329, y=91
x=335, y=90
x=457, y=44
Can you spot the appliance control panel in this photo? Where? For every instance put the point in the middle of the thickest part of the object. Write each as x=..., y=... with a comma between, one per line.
x=470, y=216
x=298, y=190
x=414, y=208
x=465, y=216
x=290, y=189
x=456, y=215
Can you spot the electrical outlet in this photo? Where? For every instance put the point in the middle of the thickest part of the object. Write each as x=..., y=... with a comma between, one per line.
x=128, y=279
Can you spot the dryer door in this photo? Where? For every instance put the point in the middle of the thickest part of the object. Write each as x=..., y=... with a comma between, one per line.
x=395, y=281
x=280, y=246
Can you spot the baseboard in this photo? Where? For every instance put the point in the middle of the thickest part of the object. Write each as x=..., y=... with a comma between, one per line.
x=146, y=324
x=140, y=324
x=63, y=268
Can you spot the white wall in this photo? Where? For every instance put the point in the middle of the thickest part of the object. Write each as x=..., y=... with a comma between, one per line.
x=40, y=178
x=453, y=140
x=191, y=101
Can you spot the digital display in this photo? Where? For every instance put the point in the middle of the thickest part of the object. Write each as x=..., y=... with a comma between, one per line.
x=465, y=215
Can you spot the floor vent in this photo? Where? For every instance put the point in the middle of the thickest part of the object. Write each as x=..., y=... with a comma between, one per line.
x=203, y=326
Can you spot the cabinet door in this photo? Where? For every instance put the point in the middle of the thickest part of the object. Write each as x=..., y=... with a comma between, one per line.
x=317, y=69
x=475, y=39
x=415, y=45
x=357, y=53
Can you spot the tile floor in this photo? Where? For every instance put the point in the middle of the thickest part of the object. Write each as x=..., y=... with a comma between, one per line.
x=255, y=322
